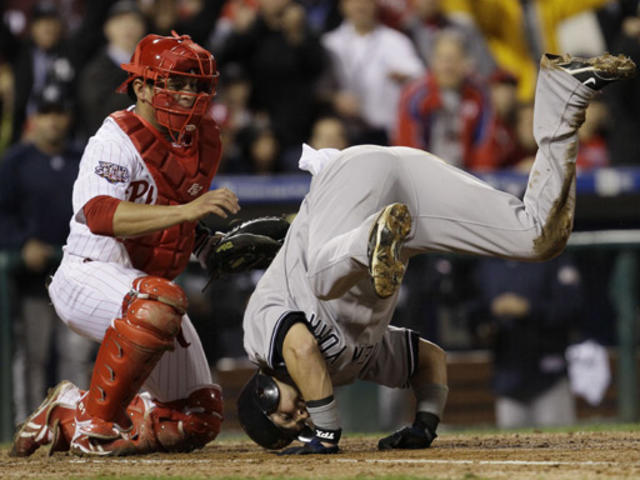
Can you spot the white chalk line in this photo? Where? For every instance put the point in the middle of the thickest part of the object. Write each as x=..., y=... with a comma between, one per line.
x=157, y=461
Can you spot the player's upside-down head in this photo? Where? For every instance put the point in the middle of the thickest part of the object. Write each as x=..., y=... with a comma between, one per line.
x=272, y=412
x=173, y=80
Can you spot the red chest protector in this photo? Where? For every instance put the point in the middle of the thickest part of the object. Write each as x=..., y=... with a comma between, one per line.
x=180, y=177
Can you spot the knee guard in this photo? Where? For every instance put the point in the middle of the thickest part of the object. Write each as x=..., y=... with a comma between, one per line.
x=178, y=426
x=131, y=348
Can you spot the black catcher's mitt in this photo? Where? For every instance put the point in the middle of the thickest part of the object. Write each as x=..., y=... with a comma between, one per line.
x=250, y=245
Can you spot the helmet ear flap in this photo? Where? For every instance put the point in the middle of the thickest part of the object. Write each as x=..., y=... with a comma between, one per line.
x=257, y=400
x=268, y=393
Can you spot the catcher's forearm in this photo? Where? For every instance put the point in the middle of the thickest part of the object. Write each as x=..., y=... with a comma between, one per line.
x=131, y=219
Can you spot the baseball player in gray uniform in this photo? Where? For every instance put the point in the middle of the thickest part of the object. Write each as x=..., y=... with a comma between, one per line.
x=320, y=315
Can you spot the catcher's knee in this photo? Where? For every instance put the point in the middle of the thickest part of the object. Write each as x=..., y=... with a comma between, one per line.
x=189, y=424
x=152, y=312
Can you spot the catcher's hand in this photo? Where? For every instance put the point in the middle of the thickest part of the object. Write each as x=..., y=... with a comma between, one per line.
x=250, y=245
x=408, y=438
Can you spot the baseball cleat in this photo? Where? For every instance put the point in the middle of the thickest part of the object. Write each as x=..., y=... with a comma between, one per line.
x=596, y=72
x=41, y=428
x=385, y=240
x=94, y=436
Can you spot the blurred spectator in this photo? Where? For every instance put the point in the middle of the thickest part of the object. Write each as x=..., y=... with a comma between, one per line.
x=259, y=151
x=322, y=15
x=235, y=15
x=42, y=59
x=283, y=61
x=624, y=100
x=9, y=46
x=370, y=64
x=123, y=28
x=263, y=150
x=593, y=150
x=581, y=35
x=526, y=313
x=499, y=146
x=232, y=114
x=329, y=132
x=444, y=112
x=518, y=32
x=36, y=180
x=430, y=19
x=6, y=105
x=611, y=16
x=196, y=18
x=394, y=13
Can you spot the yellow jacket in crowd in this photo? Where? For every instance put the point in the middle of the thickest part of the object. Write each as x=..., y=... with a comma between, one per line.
x=502, y=24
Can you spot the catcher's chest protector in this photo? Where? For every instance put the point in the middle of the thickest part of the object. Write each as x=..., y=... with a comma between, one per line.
x=180, y=177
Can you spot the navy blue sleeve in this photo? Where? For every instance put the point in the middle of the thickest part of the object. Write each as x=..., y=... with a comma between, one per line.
x=13, y=227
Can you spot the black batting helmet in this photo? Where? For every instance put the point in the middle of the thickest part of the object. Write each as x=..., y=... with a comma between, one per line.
x=258, y=399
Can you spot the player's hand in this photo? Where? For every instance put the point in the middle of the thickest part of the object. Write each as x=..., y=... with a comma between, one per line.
x=510, y=304
x=220, y=202
x=347, y=104
x=314, y=447
x=408, y=438
x=36, y=254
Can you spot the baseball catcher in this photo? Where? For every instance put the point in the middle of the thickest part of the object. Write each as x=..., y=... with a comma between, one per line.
x=319, y=316
x=143, y=185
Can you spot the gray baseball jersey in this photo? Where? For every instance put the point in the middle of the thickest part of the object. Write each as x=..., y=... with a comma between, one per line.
x=321, y=269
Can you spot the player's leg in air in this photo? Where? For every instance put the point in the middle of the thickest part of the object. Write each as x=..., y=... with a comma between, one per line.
x=150, y=342
x=439, y=208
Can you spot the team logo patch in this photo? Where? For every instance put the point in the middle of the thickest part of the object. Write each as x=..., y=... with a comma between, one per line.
x=195, y=189
x=111, y=172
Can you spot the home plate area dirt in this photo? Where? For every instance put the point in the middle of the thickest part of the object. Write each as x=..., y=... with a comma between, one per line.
x=575, y=455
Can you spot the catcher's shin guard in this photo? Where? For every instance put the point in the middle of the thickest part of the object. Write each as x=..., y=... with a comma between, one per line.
x=131, y=348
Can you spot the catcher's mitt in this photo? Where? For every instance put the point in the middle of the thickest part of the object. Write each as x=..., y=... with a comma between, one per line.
x=248, y=246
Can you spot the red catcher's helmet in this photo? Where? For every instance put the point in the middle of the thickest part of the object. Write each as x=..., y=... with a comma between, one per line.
x=180, y=59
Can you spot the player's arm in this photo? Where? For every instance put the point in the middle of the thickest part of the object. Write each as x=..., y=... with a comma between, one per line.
x=429, y=384
x=110, y=216
x=308, y=369
x=306, y=364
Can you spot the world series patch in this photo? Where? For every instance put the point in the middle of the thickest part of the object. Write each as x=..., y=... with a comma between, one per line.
x=111, y=172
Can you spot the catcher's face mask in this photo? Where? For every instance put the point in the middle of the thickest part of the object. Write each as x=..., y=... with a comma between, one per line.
x=258, y=406
x=184, y=78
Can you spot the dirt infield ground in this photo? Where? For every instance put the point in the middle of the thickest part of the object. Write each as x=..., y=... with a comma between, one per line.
x=552, y=456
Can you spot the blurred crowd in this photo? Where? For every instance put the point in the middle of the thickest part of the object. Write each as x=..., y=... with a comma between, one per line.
x=455, y=77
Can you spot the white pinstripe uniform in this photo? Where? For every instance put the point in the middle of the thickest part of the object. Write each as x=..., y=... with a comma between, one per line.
x=88, y=295
x=321, y=269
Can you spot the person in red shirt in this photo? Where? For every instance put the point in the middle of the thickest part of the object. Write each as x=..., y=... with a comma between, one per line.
x=444, y=112
x=593, y=151
x=498, y=148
